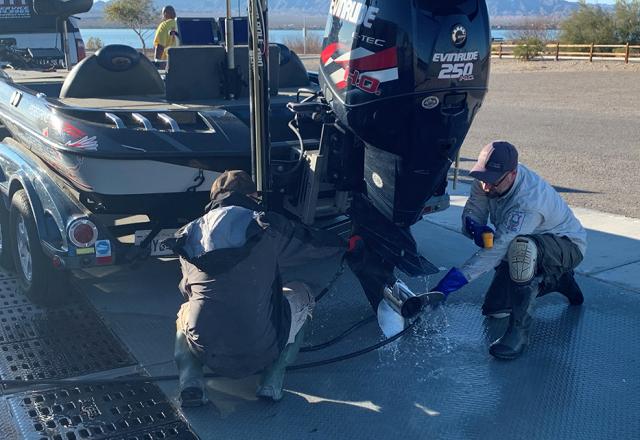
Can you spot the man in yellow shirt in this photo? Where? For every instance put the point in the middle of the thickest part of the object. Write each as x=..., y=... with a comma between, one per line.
x=165, y=34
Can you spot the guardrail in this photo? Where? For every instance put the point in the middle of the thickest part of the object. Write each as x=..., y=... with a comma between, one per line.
x=626, y=52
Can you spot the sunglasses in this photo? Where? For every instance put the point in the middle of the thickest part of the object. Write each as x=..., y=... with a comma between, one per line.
x=499, y=182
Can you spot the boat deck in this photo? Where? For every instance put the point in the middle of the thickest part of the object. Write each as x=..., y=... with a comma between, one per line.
x=32, y=76
x=159, y=103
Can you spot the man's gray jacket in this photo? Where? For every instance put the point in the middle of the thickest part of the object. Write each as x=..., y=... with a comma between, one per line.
x=237, y=320
x=531, y=206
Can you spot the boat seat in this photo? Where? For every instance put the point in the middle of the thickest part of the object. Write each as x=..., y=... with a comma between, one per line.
x=114, y=70
x=195, y=72
x=242, y=62
x=292, y=71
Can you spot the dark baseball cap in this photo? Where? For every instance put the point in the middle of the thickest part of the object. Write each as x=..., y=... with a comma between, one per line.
x=495, y=160
x=236, y=180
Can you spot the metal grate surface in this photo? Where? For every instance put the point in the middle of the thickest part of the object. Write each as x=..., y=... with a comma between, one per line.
x=70, y=341
x=9, y=294
x=115, y=412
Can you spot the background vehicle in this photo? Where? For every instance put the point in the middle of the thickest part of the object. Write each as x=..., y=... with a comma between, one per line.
x=44, y=34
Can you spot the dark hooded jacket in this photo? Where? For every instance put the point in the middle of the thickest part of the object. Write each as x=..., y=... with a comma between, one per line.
x=238, y=320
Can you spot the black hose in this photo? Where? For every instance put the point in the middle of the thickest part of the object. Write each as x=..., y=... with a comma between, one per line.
x=338, y=338
x=355, y=353
x=131, y=380
x=328, y=287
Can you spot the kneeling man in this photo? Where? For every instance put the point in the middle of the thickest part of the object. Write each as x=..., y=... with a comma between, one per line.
x=537, y=243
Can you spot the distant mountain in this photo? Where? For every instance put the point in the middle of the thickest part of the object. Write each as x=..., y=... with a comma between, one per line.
x=298, y=8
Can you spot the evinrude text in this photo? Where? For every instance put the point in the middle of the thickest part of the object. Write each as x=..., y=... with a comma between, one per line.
x=354, y=11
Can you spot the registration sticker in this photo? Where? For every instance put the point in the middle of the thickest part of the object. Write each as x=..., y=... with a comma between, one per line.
x=85, y=251
x=103, y=248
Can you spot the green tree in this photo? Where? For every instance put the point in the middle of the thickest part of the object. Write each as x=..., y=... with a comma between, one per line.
x=138, y=15
x=588, y=24
x=627, y=21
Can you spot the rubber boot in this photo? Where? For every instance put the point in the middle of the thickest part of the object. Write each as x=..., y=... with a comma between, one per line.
x=513, y=342
x=273, y=378
x=191, y=373
x=568, y=286
x=497, y=300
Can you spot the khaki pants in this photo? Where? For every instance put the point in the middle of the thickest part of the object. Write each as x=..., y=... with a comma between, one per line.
x=302, y=304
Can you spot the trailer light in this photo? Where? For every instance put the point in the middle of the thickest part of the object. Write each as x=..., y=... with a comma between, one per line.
x=57, y=262
x=83, y=233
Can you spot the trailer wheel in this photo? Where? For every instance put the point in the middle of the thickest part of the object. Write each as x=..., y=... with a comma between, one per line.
x=39, y=281
x=6, y=260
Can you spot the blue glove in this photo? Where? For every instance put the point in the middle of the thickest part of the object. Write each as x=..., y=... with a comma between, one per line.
x=452, y=281
x=476, y=230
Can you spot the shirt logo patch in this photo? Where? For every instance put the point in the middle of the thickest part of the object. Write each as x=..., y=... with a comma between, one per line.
x=515, y=220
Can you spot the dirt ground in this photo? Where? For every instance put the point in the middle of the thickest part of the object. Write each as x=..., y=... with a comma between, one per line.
x=514, y=66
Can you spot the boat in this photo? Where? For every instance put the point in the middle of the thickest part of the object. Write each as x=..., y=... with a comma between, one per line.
x=370, y=137
x=113, y=135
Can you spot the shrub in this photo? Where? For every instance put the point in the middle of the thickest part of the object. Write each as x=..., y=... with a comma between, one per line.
x=627, y=21
x=588, y=24
x=94, y=43
x=528, y=48
x=314, y=45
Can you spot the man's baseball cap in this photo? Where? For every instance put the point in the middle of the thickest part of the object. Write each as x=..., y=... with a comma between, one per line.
x=495, y=160
x=235, y=180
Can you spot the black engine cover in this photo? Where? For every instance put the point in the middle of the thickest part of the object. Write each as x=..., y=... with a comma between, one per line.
x=407, y=77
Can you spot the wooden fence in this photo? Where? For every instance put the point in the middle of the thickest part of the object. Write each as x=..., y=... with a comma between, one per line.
x=559, y=51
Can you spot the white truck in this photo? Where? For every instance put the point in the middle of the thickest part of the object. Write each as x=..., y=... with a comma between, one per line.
x=45, y=37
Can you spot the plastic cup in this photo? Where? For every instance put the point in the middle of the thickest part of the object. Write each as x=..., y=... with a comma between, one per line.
x=487, y=240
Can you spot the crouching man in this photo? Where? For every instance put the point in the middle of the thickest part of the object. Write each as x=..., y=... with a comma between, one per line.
x=238, y=318
x=537, y=243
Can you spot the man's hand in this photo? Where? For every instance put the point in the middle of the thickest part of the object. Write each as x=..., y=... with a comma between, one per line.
x=482, y=234
x=452, y=281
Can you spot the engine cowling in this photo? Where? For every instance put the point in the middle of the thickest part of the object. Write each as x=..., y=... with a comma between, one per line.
x=407, y=78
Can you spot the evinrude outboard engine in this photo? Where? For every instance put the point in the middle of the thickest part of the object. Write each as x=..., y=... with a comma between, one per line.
x=406, y=78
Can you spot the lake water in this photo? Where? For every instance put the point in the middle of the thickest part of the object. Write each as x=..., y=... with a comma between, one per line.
x=128, y=37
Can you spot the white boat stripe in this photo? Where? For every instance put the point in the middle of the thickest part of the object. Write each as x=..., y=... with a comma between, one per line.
x=359, y=52
x=337, y=76
x=382, y=75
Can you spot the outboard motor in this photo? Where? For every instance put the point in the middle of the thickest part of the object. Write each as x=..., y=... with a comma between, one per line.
x=406, y=79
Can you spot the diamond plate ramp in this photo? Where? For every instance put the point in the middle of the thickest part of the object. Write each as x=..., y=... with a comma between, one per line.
x=114, y=412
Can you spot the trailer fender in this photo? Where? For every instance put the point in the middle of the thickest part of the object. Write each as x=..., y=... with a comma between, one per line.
x=20, y=181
